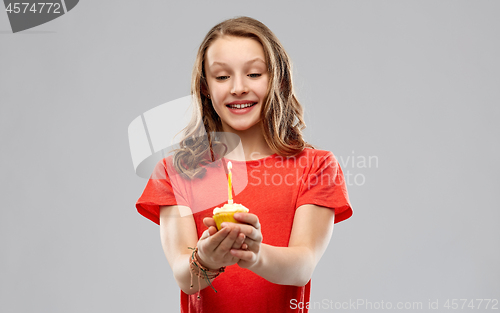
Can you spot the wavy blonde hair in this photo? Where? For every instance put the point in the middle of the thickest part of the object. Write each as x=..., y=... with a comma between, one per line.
x=281, y=115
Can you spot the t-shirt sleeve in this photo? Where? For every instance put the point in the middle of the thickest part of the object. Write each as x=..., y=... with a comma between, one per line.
x=161, y=189
x=324, y=185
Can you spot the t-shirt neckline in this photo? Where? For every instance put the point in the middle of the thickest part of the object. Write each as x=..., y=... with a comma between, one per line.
x=253, y=161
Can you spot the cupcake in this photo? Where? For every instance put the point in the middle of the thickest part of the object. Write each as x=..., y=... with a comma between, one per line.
x=226, y=213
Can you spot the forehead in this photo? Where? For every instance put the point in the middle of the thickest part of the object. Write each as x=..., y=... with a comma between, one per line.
x=230, y=50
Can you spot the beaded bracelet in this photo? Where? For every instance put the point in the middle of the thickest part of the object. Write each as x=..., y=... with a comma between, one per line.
x=201, y=271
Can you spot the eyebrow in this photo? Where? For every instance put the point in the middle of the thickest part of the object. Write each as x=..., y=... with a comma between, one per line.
x=247, y=62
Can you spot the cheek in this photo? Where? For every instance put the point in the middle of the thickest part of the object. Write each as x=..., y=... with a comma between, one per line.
x=217, y=102
x=263, y=88
x=218, y=93
x=218, y=105
x=263, y=92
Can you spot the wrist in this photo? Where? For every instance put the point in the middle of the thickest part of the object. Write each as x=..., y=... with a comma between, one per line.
x=202, y=261
x=202, y=272
x=197, y=262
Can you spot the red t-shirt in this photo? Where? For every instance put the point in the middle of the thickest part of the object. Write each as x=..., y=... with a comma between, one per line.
x=271, y=188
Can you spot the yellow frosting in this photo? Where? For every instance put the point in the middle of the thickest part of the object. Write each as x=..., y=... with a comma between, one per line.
x=229, y=208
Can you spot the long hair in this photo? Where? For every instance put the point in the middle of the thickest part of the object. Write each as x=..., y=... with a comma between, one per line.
x=281, y=115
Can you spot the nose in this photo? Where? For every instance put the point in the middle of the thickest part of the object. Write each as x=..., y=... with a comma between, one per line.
x=239, y=86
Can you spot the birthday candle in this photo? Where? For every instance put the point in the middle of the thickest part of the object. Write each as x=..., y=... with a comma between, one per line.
x=229, y=180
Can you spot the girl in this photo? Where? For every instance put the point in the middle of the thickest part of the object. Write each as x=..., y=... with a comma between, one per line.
x=242, y=85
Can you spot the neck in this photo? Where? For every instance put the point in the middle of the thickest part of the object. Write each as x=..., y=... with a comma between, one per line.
x=252, y=144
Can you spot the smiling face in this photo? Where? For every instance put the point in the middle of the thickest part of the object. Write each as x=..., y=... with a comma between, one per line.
x=237, y=78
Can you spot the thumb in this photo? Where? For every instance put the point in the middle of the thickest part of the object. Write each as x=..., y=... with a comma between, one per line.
x=205, y=234
x=211, y=230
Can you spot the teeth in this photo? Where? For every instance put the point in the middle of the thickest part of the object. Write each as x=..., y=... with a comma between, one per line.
x=240, y=106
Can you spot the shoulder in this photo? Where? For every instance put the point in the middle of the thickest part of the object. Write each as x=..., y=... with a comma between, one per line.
x=307, y=160
x=165, y=163
x=317, y=156
x=164, y=168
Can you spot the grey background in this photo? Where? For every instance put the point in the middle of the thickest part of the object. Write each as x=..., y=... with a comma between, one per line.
x=414, y=83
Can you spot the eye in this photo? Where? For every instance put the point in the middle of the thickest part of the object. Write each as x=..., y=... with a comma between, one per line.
x=254, y=75
x=222, y=77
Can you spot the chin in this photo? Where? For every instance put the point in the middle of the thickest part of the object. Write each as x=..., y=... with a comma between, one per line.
x=243, y=127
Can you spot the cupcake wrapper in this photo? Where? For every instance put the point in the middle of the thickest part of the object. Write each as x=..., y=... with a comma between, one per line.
x=224, y=217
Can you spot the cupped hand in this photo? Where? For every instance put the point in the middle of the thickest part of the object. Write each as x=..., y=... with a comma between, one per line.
x=251, y=228
x=214, y=246
x=212, y=229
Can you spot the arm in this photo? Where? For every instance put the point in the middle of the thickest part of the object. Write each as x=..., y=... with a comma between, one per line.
x=178, y=233
x=292, y=265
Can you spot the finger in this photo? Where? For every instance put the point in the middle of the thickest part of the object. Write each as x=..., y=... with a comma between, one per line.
x=243, y=255
x=226, y=244
x=248, y=230
x=212, y=242
x=212, y=230
x=209, y=221
x=209, y=232
x=248, y=218
x=205, y=234
x=251, y=245
x=239, y=241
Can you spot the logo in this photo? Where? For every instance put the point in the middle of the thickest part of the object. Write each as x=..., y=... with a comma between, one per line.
x=28, y=14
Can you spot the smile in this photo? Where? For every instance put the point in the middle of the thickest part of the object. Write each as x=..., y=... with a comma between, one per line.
x=241, y=106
